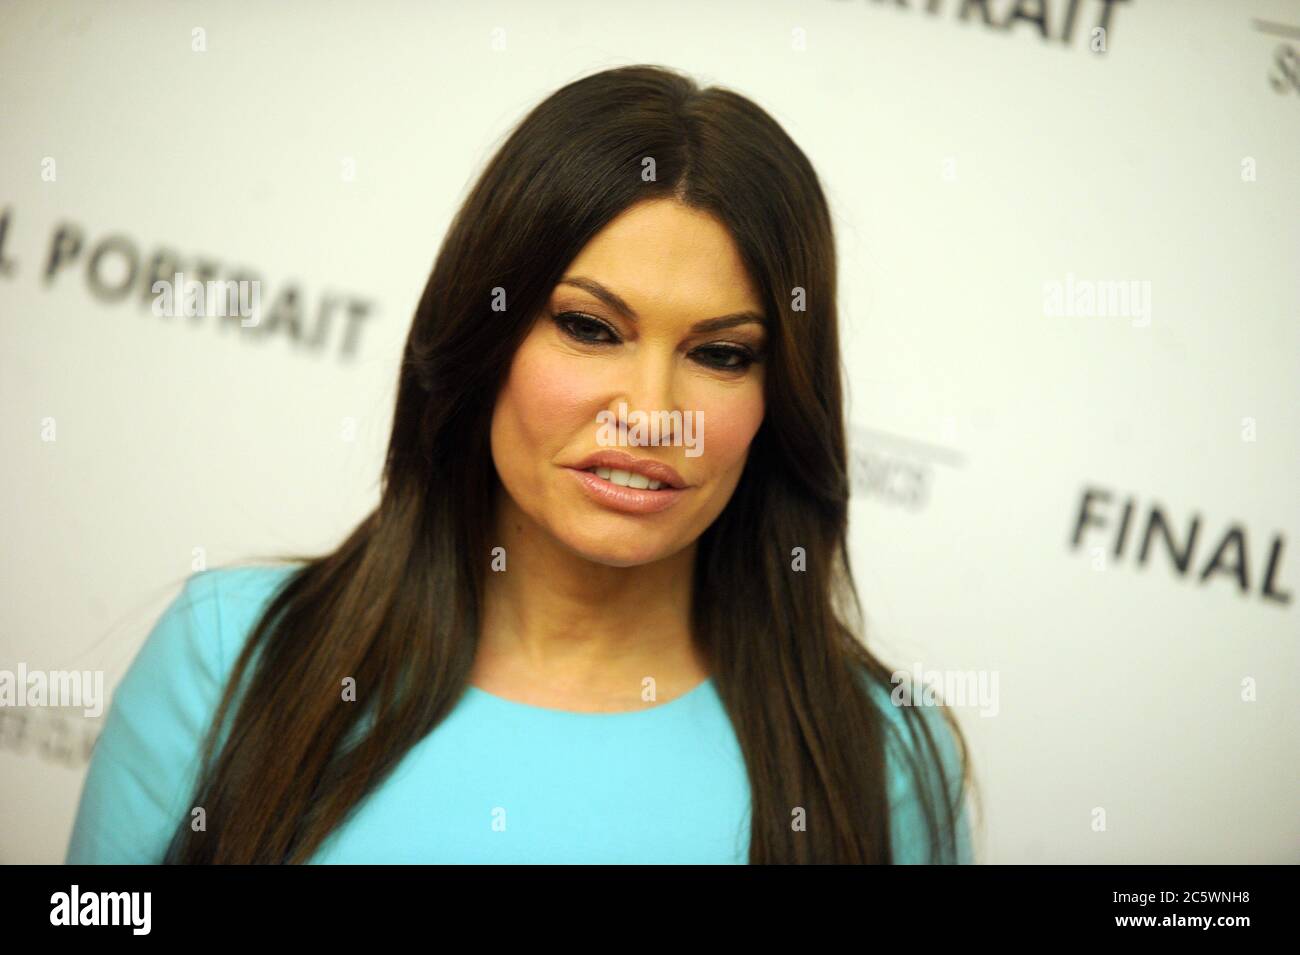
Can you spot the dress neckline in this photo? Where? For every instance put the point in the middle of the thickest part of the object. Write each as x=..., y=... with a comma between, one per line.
x=696, y=691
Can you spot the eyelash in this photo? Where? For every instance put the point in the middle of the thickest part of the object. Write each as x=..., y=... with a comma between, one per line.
x=744, y=354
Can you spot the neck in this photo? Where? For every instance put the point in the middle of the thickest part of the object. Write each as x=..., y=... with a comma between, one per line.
x=555, y=619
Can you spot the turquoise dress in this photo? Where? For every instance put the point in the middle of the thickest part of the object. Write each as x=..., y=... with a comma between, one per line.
x=497, y=782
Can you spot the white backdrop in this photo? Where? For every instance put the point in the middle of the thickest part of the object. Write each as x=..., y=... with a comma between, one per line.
x=975, y=170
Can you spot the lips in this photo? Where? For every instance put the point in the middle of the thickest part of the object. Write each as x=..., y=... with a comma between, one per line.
x=617, y=491
x=628, y=500
x=622, y=461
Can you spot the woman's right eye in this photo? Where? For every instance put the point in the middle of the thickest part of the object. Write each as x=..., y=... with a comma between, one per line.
x=584, y=328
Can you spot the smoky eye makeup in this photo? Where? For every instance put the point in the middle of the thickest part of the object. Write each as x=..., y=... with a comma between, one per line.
x=727, y=356
x=722, y=356
x=585, y=329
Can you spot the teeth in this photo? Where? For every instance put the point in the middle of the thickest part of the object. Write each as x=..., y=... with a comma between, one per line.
x=627, y=479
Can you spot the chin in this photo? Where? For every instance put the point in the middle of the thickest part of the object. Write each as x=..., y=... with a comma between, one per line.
x=613, y=546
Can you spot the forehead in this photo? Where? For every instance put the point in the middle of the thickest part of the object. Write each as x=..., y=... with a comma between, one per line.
x=661, y=254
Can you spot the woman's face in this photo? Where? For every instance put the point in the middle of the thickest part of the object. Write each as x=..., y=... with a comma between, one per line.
x=620, y=362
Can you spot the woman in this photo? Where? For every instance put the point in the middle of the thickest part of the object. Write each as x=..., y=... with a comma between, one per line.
x=560, y=636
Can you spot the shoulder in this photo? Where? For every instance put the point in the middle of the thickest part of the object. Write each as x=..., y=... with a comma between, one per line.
x=145, y=760
x=228, y=601
x=924, y=759
x=199, y=633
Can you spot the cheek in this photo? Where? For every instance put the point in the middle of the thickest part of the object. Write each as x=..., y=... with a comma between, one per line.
x=730, y=423
x=541, y=404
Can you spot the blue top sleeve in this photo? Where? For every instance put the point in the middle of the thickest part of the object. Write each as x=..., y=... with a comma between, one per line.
x=908, y=830
x=145, y=762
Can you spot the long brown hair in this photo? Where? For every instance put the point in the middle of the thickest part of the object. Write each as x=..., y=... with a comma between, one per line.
x=397, y=605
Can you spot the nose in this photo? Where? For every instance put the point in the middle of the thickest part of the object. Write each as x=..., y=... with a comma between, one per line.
x=648, y=394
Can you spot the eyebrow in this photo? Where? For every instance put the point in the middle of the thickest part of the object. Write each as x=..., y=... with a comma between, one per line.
x=610, y=298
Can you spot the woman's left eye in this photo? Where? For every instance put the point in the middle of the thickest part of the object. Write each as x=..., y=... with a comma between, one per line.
x=726, y=357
